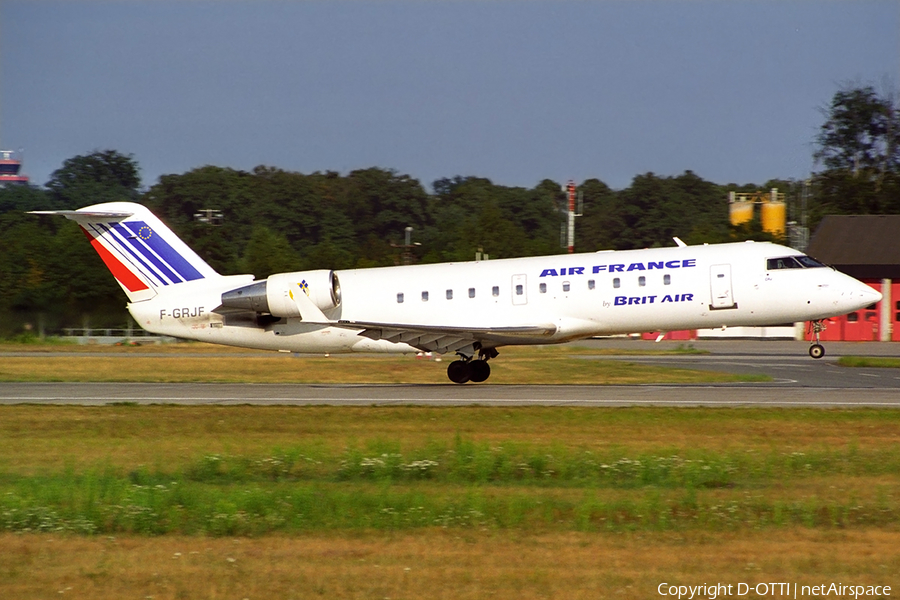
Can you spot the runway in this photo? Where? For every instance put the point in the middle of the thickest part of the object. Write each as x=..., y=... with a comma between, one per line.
x=98, y=394
x=798, y=381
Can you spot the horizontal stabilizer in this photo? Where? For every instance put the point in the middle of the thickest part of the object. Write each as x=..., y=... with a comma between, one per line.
x=74, y=214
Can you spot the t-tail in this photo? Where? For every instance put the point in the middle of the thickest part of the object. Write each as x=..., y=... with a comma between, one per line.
x=141, y=252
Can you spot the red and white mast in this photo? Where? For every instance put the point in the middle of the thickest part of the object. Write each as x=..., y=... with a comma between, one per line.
x=572, y=213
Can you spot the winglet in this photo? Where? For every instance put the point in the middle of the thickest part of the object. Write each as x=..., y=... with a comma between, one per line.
x=309, y=312
x=679, y=242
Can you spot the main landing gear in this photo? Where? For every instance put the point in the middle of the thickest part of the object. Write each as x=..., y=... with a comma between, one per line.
x=468, y=368
x=817, y=350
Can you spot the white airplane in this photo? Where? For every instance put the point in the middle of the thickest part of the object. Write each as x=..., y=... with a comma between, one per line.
x=469, y=309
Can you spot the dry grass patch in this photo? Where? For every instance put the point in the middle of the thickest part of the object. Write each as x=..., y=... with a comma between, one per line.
x=436, y=564
x=284, y=368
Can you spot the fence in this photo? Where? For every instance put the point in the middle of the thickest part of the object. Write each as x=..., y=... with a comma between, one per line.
x=113, y=336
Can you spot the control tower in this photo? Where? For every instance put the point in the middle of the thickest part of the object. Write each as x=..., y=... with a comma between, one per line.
x=10, y=163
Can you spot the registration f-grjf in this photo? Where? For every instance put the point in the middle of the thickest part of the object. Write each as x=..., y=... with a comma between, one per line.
x=465, y=309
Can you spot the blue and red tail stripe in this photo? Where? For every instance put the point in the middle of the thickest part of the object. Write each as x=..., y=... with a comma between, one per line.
x=138, y=264
x=142, y=253
x=162, y=249
x=152, y=256
x=121, y=272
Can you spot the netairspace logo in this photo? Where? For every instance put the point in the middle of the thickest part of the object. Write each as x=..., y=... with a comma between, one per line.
x=776, y=589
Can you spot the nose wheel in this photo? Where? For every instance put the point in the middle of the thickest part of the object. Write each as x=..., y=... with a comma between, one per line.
x=817, y=350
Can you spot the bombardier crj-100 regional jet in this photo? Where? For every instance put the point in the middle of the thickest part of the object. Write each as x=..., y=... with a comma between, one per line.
x=468, y=309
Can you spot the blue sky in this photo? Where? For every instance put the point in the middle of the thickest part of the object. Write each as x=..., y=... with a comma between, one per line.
x=513, y=91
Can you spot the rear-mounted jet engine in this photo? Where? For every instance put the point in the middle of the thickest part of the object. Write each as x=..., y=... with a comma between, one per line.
x=275, y=295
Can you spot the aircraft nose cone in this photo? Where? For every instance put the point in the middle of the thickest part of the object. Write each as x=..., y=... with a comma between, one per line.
x=869, y=295
x=857, y=295
x=862, y=296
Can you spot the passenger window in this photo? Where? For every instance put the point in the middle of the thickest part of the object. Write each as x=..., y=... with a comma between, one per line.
x=642, y=281
x=566, y=286
x=667, y=279
x=616, y=282
x=495, y=291
x=471, y=292
x=424, y=296
x=400, y=298
x=591, y=286
x=449, y=294
x=852, y=317
x=543, y=288
x=519, y=290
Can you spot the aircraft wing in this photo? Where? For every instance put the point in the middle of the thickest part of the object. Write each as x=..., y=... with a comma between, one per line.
x=432, y=338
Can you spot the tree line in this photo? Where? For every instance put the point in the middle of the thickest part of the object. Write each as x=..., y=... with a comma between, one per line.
x=274, y=220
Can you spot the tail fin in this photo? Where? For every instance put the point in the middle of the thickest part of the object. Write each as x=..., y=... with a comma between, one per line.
x=142, y=253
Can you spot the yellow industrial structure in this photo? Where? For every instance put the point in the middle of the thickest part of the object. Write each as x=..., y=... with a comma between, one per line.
x=772, y=211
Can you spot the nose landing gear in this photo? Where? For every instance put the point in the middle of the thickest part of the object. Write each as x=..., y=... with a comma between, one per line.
x=817, y=350
x=468, y=368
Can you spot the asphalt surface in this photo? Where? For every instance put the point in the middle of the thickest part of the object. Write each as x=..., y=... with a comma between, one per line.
x=798, y=380
x=788, y=363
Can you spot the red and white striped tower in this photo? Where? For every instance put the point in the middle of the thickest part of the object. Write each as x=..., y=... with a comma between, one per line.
x=10, y=163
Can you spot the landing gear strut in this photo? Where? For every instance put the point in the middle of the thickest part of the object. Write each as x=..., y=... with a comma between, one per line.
x=468, y=368
x=817, y=350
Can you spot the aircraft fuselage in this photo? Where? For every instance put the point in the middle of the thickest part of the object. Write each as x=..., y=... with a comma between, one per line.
x=572, y=296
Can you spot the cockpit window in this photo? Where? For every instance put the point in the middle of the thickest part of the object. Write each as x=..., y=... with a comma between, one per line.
x=786, y=262
x=792, y=262
x=809, y=262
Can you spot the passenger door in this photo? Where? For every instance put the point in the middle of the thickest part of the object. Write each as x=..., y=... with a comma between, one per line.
x=519, y=290
x=721, y=292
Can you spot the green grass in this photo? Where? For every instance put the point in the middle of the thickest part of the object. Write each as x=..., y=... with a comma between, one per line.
x=870, y=361
x=528, y=470
x=29, y=338
x=464, y=486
